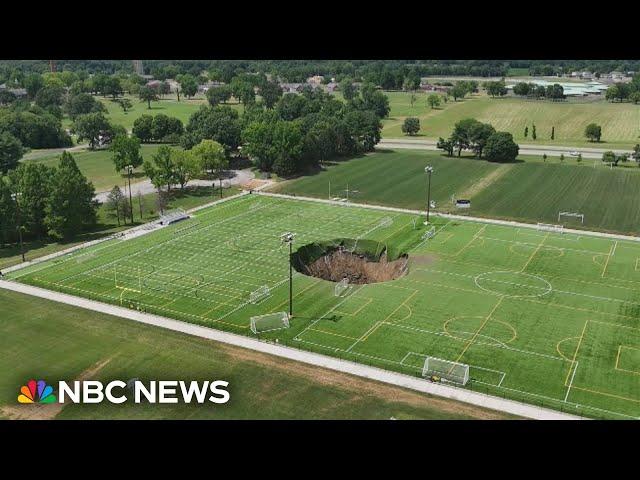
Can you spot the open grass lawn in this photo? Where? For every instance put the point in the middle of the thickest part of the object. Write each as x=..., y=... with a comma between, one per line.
x=530, y=190
x=107, y=224
x=168, y=105
x=620, y=122
x=71, y=341
x=541, y=317
x=98, y=167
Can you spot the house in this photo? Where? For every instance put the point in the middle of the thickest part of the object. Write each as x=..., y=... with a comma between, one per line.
x=586, y=75
x=208, y=85
x=331, y=87
x=155, y=84
x=315, y=80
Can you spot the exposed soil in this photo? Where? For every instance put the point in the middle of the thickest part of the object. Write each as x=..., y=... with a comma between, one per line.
x=358, y=268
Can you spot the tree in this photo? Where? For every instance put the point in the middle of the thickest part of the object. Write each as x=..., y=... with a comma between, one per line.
x=500, y=147
x=593, y=132
x=211, y=155
x=544, y=157
x=243, y=91
x=81, y=104
x=479, y=134
x=148, y=94
x=375, y=101
x=526, y=132
x=126, y=151
x=496, y=89
x=446, y=145
x=8, y=215
x=411, y=126
x=93, y=127
x=320, y=143
x=534, y=135
x=32, y=181
x=610, y=157
x=142, y=128
x=612, y=93
x=114, y=204
x=188, y=85
x=634, y=97
x=270, y=93
x=125, y=104
x=461, y=135
x=348, y=89
x=216, y=95
x=160, y=170
x=50, y=97
x=579, y=159
x=33, y=83
x=186, y=166
x=522, y=89
x=11, y=152
x=220, y=123
x=433, y=100
x=561, y=157
x=636, y=153
x=553, y=133
x=274, y=146
x=458, y=91
x=70, y=206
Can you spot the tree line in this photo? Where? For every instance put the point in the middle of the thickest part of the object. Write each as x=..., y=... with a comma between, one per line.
x=482, y=139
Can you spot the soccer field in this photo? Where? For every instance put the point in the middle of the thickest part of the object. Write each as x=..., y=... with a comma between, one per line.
x=541, y=317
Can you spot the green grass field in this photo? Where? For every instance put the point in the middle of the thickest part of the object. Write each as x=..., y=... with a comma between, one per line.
x=546, y=318
x=72, y=341
x=167, y=105
x=620, y=122
x=530, y=190
x=98, y=167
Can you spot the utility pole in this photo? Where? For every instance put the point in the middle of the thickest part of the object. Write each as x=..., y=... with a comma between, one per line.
x=18, y=219
x=428, y=170
x=130, y=170
x=288, y=238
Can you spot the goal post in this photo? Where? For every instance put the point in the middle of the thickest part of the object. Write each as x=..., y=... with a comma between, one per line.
x=453, y=372
x=429, y=233
x=575, y=215
x=259, y=294
x=341, y=287
x=269, y=322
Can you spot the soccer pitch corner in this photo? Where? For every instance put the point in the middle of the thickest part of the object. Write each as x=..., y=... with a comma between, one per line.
x=536, y=315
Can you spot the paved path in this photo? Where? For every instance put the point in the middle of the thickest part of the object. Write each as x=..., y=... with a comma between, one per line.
x=405, y=381
x=240, y=177
x=48, y=152
x=525, y=149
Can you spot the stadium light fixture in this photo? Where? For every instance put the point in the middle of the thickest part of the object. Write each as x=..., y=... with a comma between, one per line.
x=288, y=238
x=428, y=170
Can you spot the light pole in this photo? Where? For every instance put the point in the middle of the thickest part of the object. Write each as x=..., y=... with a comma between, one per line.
x=18, y=219
x=288, y=238
x=130, y=171
x=428, y=170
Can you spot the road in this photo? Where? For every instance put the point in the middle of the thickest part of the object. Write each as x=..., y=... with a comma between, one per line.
x=239, y=177
x=525, y=149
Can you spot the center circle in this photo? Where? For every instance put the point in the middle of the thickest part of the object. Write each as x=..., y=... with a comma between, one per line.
x=513, y=284
x=354, y=261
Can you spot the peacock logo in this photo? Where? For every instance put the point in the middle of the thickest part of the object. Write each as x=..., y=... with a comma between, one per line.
x=36, y=392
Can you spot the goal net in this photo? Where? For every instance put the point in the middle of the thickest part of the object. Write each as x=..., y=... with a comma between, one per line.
x=269, y=322
x=429, y=233
x=453, y=372
x=341, y=287
x=259, y=294
x=577, y=216
x=172, y=216
x=549, y=227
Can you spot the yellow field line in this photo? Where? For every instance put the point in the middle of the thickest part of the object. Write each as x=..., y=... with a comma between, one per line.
x=608, y=258
x=475, y=335
x=368, y=333
x=478, y=233
x=369, y=300
x=634, y=372
x=575, y=354
x=534, y=252
x=606, y=394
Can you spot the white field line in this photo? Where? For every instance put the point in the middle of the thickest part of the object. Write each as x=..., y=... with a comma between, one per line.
x=463, y=218
x=544, y=247
x=571, y=382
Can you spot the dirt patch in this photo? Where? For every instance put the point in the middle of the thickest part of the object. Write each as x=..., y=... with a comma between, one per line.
x=485, y=181
x=359, y=386
x=340, y=263
x=48, y=411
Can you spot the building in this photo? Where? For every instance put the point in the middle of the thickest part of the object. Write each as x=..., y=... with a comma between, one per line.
x=18, y=92
x=315, y=80
x=331, y=87
x=203, y=88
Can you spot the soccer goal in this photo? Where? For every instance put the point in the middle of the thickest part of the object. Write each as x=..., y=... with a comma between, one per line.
x=429, y=233
x=269, y=322
x=453, y=372
x=259, y=294
x=341, y=287
x=549, y=227
x=172, y=216
x=571, y=215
